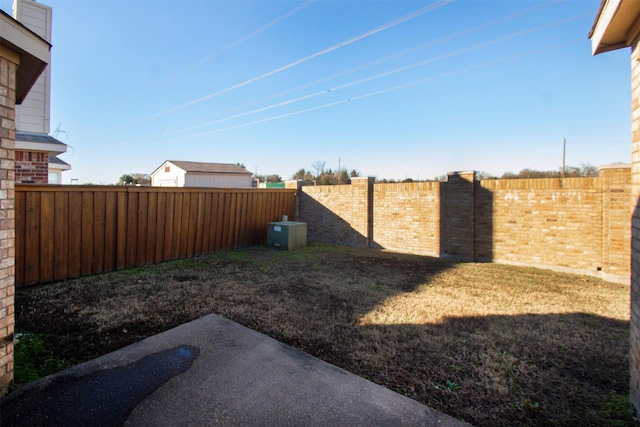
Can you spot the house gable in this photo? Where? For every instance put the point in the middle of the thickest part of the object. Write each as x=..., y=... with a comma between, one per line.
x=177, y=173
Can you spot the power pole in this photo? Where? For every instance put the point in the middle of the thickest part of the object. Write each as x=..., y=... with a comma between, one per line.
x=564, y=154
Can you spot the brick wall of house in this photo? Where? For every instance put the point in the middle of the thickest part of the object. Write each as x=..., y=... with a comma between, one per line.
x=635, y=200
x=32, y=167
x=578, y=225
x=8, y=69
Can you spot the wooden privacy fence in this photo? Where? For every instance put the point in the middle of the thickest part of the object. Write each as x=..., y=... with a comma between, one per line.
x=71, y=231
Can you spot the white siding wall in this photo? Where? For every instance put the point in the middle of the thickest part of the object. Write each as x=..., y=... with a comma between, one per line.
x=173, y=178
x=33, y=114
x=218, y=180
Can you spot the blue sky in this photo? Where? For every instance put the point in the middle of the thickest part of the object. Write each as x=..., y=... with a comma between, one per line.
x=393, y=89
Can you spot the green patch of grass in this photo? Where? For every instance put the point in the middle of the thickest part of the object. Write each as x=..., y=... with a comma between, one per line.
x=616, y=408
x=33, y=360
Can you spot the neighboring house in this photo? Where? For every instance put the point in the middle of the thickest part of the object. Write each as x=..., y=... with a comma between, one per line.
x=36, y=150
x=174, y=173
x=617, y=26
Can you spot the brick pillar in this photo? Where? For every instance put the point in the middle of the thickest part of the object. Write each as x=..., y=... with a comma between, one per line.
x=8, y=66
x=363, y=191
x=615, y=182
x=460, y=214
x=635, y=227
x=297, y=184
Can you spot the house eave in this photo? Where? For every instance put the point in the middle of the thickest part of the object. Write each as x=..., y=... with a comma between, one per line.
x=40, y=146
x=33, y=51
x=616, y=26
x=59, y=167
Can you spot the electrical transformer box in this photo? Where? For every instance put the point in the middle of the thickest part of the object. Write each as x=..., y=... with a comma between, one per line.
x=287, y=235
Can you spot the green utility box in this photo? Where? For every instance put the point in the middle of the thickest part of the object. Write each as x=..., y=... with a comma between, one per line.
x=287, y=235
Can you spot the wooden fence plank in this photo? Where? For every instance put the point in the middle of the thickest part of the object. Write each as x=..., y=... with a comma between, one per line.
x=168, y=227
x=110, y=230
x=233, y=209
x=75, y=234
x=87, y=233
x=47, y=236
x=142, y=225
x=131, y=252
x=200, y=223
x=152, y=217
x=192, y=225
x=32, y=239
x=61, y=236
x=242, y=224
x=177, y=226
x=122, y=233
x=160, y=226
x=261, y=220
x=99, y=221
x=184, y=228
x=218, y=214
x=206, y=221
x=225, y=221
x=20, y=236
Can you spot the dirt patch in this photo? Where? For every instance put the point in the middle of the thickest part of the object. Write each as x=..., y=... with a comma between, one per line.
x=491, y=344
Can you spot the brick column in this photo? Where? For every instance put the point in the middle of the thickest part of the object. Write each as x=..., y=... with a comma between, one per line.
x=460, y=214
x=8, y=67
x=616, y=233
x=297, y=184
x=635, y=227
x=363, y=189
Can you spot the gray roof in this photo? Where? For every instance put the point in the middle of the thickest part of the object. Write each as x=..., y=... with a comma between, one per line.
x=204, y=167
x=36, y=137
x=56, y=161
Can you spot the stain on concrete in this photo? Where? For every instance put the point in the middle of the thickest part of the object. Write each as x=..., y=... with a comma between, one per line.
x=101, y=398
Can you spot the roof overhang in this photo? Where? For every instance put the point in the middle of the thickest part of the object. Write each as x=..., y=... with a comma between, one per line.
x=56, y=164
x=33, y=51
x=616, y=26
x=28, y=141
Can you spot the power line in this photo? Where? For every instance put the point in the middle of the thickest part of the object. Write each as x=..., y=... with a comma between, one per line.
x=385, y=74
x=379, y=92
x=220, y=51
x=342, y=44
x=407, y=51
x=241, y=40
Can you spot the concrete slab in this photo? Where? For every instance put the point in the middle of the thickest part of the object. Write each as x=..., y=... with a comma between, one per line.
x=211, y=371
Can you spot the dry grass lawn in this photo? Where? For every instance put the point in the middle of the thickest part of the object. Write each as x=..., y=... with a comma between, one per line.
x=491, y=344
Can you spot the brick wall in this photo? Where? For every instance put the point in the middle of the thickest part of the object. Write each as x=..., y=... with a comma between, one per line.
x=8, y=67
x=412, y=211
x=578, y=225
x=338, y=213
x=544, y=222
x=635, y=252
x=32, y=167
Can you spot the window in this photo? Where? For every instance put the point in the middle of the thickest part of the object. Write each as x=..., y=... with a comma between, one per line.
x=167, y=168
x=54, y=177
